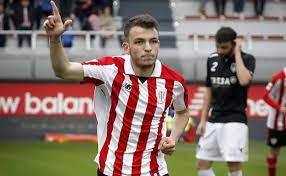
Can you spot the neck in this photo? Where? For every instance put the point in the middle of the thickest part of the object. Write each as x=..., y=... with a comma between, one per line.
x=143, y=71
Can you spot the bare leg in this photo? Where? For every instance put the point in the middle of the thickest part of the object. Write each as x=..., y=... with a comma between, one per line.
x=204, y=168
x=272, y=160
x=234, y=168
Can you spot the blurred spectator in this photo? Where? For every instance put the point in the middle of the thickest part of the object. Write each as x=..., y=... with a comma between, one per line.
x=220, y=7
x=24, y=20
x=108, y=3
x=202, y=7
x=11, y=7
x=103, y=3
x=4, y=3
x=259, y=7
x=94, y=19
x=189, y=134
x=238, y=6
x=67, y=39
x=66, y=7
x=94, y=22
x=107, y=24
x=82, y=11
x=46, y=8
x=37, y=5
x=4, y=25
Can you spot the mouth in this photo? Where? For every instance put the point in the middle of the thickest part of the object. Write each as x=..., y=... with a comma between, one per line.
x=148, y=56
x=222, y=55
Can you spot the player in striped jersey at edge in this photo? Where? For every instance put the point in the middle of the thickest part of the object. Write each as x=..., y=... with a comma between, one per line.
x=275, y=96
x=133, y=93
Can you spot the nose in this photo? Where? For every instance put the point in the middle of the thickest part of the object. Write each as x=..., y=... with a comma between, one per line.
x=148, y=46
x=220, y=51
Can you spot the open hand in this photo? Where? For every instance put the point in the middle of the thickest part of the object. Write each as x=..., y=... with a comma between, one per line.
x=54, y=25
x=201, y=129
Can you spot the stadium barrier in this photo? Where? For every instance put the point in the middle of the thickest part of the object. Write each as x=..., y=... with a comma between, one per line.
x=86, y=36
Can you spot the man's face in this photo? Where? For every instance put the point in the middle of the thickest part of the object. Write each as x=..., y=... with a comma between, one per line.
x=225, y=50
x=143, y=46
x=25, y=3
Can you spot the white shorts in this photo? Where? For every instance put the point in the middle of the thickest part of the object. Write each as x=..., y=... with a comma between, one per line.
x=224, y=142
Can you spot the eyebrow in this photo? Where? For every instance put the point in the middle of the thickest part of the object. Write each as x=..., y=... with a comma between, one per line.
x=147, y=39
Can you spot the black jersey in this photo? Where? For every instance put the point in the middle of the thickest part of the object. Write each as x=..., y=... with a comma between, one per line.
x=228, y=102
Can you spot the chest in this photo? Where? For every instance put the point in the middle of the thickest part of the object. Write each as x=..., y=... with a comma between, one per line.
x=221, y=67
x=222, y=73
x=278, y=91
x=152, y=92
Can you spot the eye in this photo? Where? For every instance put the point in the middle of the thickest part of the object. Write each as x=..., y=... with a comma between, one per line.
x=139, y=42
x=154, y=41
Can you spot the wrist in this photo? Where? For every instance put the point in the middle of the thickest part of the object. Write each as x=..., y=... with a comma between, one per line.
x=237, y=53
x=203, y=120
x=55, y=39
x=174, y=138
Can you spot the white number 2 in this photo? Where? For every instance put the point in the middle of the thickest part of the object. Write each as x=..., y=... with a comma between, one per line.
x=214, y=65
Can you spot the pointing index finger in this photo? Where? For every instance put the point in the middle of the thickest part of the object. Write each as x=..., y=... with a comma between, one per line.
x=55, y=9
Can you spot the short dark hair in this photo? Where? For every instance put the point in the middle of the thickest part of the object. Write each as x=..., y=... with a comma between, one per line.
x=225, y=34
x=144, y=20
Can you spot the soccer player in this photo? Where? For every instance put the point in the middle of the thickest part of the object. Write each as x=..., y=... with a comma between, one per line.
x=224, y=135
x=132, y=95
x=275, y=96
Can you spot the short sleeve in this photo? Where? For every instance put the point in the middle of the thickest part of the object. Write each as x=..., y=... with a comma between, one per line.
x=180, y=96
x=249, y=63
x=97, y=71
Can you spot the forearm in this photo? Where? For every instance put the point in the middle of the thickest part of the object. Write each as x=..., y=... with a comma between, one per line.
x=271, y=102
x=204, y=114
x=58, y=56
x=180, y=122
x=243, y=74
x=62, y=67
x=206, y=105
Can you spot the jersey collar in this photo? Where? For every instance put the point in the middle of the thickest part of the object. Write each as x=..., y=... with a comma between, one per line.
x=129, y=70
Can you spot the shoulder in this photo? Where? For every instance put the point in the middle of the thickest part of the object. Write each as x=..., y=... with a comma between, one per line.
x=279, y=75
x=109, y=60
x=169, y=73
x=212, y=57
x=106, y=60
x=247, y=56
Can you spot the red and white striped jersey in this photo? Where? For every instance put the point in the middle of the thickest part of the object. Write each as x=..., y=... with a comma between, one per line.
x=275, y=96
x=131, y=114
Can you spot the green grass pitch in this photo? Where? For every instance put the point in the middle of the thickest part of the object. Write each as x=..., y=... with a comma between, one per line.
x=38, y=158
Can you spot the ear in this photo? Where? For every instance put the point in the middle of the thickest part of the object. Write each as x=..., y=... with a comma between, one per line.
x=234, y=42
x=126, y=48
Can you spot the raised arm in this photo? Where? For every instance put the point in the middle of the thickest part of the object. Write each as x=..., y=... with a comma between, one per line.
x=243, y=74
x=62, y=67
